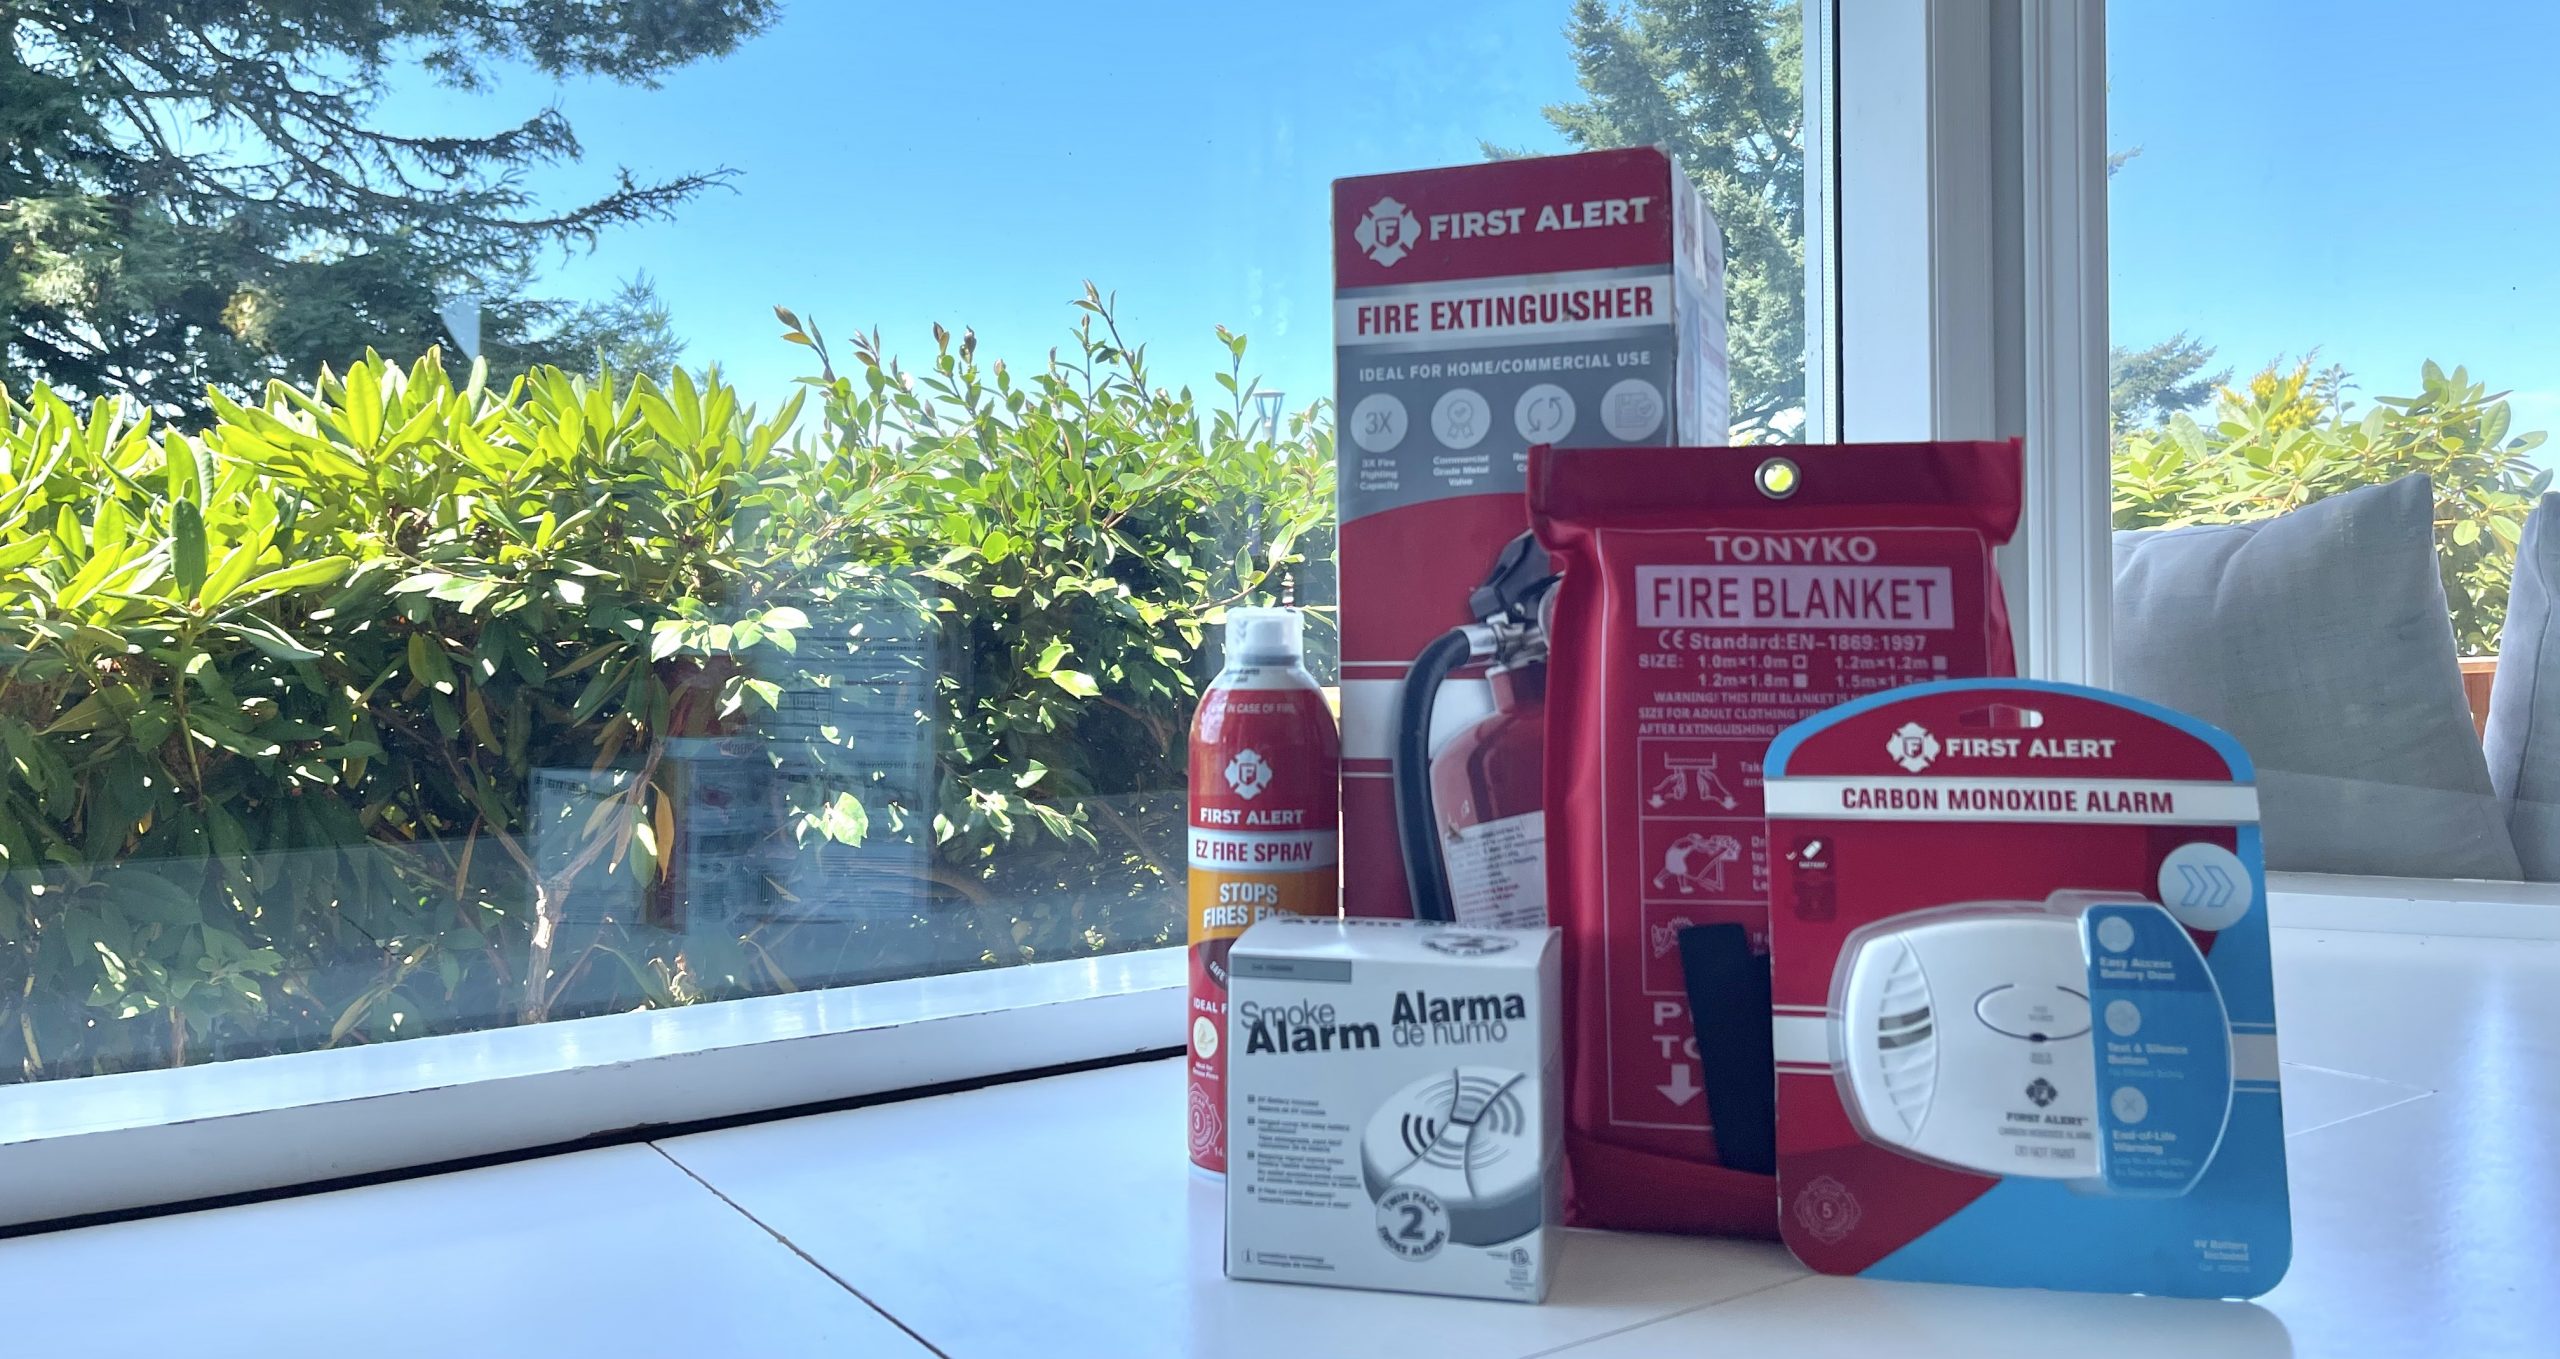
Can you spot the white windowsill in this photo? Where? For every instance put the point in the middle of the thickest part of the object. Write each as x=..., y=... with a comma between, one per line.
x=146, y=1138
x=2469, y=907
x=140, y=1139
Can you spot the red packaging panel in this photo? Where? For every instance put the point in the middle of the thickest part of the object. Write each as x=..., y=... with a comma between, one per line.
x=1697, y=619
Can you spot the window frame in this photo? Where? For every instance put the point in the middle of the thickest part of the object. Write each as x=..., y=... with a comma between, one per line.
x=96, y=1145
x=1972, y=289
x=1956, y=287
x=1973, y=301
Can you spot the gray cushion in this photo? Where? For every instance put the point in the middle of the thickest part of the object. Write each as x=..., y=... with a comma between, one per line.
x=2523, y=739
x=2320, y=639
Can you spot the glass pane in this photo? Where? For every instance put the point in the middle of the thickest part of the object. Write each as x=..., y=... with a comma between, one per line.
x=811, y=584
x=2322, y=287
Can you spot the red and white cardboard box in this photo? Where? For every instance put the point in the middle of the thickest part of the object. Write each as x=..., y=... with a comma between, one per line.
x=1480, y=310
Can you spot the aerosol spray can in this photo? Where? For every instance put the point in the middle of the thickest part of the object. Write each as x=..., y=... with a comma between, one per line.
x=1265, y=792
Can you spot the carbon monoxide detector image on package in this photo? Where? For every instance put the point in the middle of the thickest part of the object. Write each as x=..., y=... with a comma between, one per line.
x=1961, y=1036
x=1394, y=1111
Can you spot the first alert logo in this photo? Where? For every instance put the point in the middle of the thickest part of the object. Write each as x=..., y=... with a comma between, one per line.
x=1249, y=774
x=1912, y=747
x=1386, y=231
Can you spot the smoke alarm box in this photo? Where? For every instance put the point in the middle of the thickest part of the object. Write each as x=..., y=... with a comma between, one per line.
x=1395, y=1115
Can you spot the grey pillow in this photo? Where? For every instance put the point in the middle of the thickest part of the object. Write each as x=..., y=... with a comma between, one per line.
x=2523, y=738
x=2320, y=639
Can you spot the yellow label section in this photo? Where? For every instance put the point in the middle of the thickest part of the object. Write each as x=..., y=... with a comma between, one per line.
x=1222, y=904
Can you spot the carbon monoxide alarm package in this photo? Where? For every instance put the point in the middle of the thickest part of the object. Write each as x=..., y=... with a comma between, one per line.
x=1394, y=1107
x=2023, y=1022
x=1708, y=598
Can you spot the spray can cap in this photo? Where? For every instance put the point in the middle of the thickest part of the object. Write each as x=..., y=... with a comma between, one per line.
x=1260, y=636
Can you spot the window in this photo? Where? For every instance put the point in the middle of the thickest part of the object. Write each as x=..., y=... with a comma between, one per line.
x=809, y=586
x=2326, y=282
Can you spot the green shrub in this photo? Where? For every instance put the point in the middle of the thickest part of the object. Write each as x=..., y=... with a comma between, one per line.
x=396, y=706
x=2281, y=444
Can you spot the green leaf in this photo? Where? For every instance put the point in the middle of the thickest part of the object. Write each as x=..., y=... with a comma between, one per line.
x=599, y=689
x=667, y=639
x=472, y=594
x=271, y=640
x=323, y=571
x=428, y=663
x=86, y=715
x=187, y=547
x=1075, y=682
x=216, y=734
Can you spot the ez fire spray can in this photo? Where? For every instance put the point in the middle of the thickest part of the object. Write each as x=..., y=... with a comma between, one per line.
x=1265, y=792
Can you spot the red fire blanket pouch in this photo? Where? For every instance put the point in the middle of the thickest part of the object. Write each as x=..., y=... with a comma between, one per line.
x=1710, y=599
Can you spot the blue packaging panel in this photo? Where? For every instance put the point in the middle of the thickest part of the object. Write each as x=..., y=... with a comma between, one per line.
x=2163, y=1047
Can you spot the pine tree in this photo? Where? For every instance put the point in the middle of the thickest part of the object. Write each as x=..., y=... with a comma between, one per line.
x=1721, y=84
x=2148, y=385
x=193, y=192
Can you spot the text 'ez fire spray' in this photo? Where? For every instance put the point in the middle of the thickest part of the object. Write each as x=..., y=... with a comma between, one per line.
x=1480, y=310
x=1265, y=771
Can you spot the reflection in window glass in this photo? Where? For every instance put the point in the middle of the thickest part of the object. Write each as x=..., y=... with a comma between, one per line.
x=811, y=581
x=2323, y=288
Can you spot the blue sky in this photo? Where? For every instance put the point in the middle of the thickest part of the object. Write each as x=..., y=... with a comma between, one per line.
x=2367, y=177
x=905, y=164
x=2379, y=179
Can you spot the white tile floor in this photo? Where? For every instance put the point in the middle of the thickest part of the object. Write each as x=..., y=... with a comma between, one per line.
x=1057, y=1218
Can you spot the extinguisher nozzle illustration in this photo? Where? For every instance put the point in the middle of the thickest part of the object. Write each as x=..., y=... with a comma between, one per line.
x=1508, y=634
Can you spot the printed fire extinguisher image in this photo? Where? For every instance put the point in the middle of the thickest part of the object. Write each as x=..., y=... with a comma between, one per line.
x=1265, y=776
x=1469, y=817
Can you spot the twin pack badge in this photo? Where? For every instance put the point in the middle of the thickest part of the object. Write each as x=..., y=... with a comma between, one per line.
x=1709, y=598
x=2023, y=1021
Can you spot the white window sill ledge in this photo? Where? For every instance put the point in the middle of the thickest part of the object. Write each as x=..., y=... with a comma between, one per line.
x=1055, y=1218
x=107, y=1144
x=140, y=1139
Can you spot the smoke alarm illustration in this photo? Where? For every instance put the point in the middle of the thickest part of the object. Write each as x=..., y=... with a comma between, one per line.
x=1964, y=1040
x=1462, y=1143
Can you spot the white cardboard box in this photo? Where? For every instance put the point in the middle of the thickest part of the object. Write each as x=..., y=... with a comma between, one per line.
x=1395, y=1106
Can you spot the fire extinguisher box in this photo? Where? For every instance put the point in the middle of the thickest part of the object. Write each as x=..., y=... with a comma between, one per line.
x=1480, y=310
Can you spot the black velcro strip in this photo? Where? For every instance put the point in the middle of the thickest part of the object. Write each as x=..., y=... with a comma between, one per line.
x=1737, y=1062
